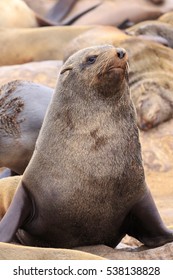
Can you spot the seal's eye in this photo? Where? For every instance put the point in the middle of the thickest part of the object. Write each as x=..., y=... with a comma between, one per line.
x=91, y=59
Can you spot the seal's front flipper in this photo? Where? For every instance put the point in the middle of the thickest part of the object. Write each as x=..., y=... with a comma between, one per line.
x=17, y=214
x=146, y=224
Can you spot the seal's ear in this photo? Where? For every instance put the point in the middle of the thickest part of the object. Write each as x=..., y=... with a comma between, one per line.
x=67, y=68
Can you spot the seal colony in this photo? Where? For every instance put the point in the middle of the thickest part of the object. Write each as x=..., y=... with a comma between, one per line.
x=86, y=170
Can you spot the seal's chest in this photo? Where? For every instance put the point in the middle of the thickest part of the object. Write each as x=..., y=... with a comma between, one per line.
x=96, y=153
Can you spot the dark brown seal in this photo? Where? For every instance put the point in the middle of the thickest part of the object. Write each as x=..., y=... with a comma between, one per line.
x=85, y=183
x=23, y=106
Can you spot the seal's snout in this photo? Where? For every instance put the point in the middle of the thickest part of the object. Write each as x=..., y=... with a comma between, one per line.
x=121, y=53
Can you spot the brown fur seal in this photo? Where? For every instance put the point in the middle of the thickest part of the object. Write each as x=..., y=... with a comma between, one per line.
x=87, y=167
x=28, y=43
x=22, y=108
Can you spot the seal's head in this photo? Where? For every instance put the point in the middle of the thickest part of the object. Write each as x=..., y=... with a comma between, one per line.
x=99, y=69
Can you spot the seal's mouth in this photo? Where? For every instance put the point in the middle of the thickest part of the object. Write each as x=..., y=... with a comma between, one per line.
x=112, y=68
x=115, y=67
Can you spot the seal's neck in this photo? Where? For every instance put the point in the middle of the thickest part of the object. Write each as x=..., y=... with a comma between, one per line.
x=71, y=114
x=81, y=107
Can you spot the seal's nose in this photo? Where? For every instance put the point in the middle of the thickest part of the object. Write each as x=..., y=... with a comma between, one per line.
x=121, y=53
